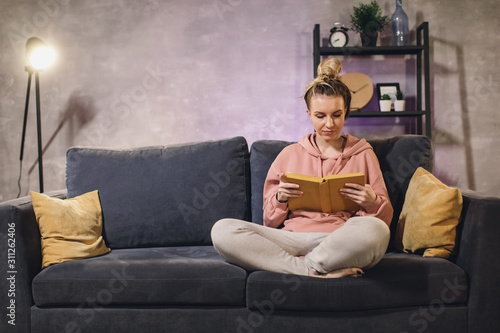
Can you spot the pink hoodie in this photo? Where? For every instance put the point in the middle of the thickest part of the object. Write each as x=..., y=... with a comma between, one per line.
x=305, y=158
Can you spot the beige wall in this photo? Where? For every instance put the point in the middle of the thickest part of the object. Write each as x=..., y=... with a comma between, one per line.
x=135, y=73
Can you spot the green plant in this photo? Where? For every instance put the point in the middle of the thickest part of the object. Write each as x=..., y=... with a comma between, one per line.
x=385, y=97
x=399, y=95
x=368, y=19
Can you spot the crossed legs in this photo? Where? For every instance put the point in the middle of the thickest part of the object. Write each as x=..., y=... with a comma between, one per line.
x=359, y=244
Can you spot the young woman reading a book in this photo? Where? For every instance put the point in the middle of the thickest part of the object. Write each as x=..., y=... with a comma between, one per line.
x=328, y=245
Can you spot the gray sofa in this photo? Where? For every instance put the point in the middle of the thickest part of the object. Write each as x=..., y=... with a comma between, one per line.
x=163, y=275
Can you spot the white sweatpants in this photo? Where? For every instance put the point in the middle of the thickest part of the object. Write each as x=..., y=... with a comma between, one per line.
x=361, y=243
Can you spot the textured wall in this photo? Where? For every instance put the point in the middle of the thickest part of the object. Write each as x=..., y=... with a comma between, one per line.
x=142, y=72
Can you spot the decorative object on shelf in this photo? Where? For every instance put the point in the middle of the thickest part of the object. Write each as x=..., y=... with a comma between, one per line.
x=361, y=87
x=387, y=89
x=399, y=25
x=385, y=103
x=399, y=103
x=338, y=35
x=39, y=57
x=368, y=20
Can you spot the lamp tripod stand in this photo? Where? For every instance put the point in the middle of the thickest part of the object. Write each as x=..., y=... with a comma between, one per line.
x=39, y=56
x=32, y=71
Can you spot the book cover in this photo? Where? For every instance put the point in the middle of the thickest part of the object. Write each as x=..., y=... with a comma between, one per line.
x=323, y=194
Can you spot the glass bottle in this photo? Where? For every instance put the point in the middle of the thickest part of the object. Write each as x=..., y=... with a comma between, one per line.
x=399, y=25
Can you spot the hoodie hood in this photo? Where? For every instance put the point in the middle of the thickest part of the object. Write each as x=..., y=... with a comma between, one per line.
x=334, y=164
x=353, y=146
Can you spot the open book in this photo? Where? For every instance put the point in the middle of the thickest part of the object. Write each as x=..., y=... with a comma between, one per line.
x=323, y=194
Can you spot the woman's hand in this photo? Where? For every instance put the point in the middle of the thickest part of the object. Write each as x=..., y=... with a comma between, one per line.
x=362, y=195
x=287, y=190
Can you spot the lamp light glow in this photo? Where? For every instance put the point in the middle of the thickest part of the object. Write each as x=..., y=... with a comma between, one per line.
x=39, y=55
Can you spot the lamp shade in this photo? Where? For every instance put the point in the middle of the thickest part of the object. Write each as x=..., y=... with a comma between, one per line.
x=39, y=55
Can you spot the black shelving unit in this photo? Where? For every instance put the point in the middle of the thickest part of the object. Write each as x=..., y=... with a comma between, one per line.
x=421, y=51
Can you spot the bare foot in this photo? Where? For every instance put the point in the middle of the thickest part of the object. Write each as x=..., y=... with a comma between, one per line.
x=338, y=273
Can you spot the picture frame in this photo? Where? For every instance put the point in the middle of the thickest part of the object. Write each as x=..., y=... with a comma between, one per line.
x=389, y=89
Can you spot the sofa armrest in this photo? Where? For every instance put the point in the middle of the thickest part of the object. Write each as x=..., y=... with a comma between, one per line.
x=20, y=261
x=477, y=253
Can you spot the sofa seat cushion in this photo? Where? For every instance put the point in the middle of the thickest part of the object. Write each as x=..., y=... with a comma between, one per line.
x=194, y=275
x=399, y=280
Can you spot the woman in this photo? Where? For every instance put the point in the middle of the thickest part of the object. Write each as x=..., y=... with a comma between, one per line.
x=313, y=243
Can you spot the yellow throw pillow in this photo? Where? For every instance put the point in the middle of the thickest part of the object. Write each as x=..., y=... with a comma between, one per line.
x=429, y=217
x=70, y=229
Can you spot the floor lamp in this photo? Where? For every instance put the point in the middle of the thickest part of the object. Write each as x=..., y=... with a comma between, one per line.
x=39, y=57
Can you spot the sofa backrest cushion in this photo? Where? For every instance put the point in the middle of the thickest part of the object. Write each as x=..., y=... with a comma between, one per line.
x=399, y=157
x=163, y=196
x=262, y=155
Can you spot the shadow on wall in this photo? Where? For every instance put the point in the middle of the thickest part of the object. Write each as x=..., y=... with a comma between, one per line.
x=460, y=118
x=79, y=111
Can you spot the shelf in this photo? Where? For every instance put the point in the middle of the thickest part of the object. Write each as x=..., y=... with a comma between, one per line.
x=422, y=64
x=355, y=114
x=375, y=50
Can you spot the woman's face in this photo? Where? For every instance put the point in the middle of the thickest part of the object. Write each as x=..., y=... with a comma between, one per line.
x=327, y=114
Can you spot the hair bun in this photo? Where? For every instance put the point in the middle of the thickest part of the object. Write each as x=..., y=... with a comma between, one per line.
x=330, y=69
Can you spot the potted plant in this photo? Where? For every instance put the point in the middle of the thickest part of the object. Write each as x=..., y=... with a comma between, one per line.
x=385, y=103
x=368, y=20
x=399, y=103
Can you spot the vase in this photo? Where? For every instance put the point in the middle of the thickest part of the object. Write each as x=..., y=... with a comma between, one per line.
x=369, y=39
x=385, y=105
x=399, y=105
x=399, y=25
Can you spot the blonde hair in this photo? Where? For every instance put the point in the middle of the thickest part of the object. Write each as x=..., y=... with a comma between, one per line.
x=328, y=83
